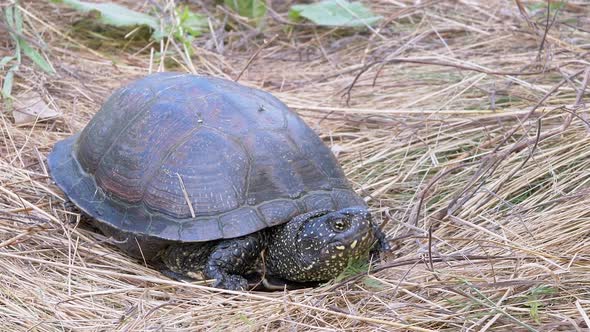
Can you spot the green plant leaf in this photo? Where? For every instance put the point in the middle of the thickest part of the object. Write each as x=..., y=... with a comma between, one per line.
x=14, y=18
x=542, y=5
x=335, y=13
x=36, y=57
x=254, y=9
x=193, y=23
x=9, y=13
x=7, y=85
x=113, y=14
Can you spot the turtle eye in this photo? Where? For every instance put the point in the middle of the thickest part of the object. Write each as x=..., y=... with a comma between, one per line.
x=339, y=225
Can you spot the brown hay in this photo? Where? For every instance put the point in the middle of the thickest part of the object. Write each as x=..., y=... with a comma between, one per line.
x=470, y=139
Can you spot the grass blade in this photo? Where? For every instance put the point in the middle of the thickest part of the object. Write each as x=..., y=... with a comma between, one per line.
x=5, y=60
x=7, y=85
x=36, y=57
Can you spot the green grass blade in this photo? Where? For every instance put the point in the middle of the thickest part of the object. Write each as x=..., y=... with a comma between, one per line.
x=36, y=57
x=9, y=14
x=7, y=85
x=18, y=20
x=5, y=60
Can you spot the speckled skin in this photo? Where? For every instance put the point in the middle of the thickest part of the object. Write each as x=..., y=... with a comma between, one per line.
x=314, y=246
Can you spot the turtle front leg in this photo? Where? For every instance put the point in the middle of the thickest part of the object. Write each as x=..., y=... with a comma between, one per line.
x=381, y=243
x=231, y=259
x=226, y=261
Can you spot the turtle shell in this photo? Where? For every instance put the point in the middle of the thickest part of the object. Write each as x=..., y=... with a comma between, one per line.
x=192, y=158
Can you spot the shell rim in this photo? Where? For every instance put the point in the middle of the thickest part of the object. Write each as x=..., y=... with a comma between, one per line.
x=67, y=174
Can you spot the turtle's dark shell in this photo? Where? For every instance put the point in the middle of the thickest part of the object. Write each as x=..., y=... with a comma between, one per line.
x=190, y=158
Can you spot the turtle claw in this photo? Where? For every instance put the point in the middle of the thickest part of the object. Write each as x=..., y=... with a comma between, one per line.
x=381, y=245
x=232, y=282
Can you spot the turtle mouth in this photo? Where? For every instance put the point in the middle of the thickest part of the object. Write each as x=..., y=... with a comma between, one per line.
x=337, y=245
x=351, y=244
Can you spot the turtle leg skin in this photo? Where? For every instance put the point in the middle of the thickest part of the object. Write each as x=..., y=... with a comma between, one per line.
x=226, y=261
x=231, y=259
x=183, y=262
x=174, y=275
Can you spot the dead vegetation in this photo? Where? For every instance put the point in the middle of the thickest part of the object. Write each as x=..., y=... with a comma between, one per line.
x=463, y=123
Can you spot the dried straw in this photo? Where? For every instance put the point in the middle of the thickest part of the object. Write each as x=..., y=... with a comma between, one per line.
x=462, y=123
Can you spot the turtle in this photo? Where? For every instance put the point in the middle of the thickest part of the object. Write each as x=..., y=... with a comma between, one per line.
x=210, y=177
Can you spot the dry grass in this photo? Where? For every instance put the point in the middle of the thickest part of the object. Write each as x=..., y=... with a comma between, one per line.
x=468, y=132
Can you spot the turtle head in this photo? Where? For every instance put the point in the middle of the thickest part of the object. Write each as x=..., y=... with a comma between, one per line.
x=317, y=246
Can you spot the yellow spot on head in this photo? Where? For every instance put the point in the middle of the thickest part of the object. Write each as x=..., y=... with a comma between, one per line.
x=353, y=244
x=340, y=247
